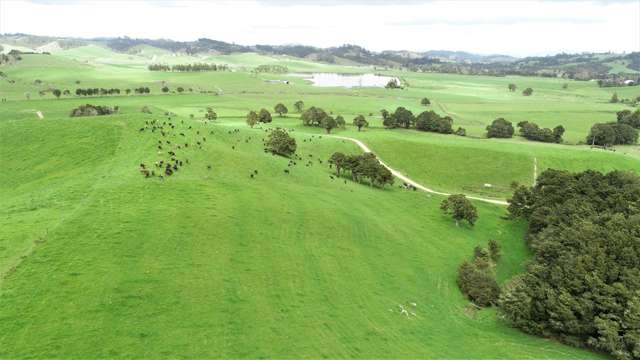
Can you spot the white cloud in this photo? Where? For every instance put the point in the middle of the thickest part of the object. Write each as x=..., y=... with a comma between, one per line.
x=514, y=27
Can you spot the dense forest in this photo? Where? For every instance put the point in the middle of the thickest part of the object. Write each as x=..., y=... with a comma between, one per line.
x=583, y=285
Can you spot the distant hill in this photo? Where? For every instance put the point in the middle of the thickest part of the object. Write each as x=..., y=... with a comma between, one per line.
x=575, y=66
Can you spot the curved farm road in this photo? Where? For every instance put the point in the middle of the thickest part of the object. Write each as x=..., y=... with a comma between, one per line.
x=407, y=180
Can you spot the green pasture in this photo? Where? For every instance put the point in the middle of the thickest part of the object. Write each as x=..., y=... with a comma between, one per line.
x=97, y=261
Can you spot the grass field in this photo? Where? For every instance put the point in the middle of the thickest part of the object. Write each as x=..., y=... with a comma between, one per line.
x=97, y=261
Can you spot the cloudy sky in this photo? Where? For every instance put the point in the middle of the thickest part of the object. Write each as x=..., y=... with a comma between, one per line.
x=506, y=27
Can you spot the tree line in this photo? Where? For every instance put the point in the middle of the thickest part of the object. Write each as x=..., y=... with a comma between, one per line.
x=624, y=131
x=502, y=128
x=361, y=167
x=102, y=91
x=188, y=67
x=274, y=69
x=425, y=121
x=315, y=116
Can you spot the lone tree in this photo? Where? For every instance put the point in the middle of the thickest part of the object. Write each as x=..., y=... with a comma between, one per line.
x=280, y=109
x=460, y=208
x=313, y=116
x=425, y=102
x=264, y=116
x=360, y=122
x=329, y=123
x=280, y=143
x=252, y=118
x=512, y=87
x=393, y=84
x=500, y=128
x=57, y=93
x=614, y=98
x=210, y=115
x=299, y=106
x=527, y=92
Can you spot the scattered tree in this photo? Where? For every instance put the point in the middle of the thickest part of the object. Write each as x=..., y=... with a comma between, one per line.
x=57, y=93
x=264, y=116
x=340, y=121
x=280, y=109
x=460, y=208
x=425, y=102
x=500, y=128
x=460, y=131
x=211, y=115
x=313, y=116
x=360, y=122
x=281, y=143
x=527, y=92
x=614, y=98
x=329, y=123
x=630, y=118
x=252, y=118
x=431, y=121
x=494, y=250
x=299, y=106
x=512, y=87
x=393, y=84
x=478, y=284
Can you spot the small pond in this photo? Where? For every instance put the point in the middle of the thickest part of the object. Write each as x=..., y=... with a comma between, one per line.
x=346, y=80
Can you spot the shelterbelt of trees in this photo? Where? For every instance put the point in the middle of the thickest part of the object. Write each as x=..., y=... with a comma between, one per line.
x=188, y=67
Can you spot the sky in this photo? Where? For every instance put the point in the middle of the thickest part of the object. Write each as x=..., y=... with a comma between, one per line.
x=519, y=28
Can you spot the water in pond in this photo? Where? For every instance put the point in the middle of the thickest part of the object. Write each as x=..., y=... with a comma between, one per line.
x=346, y=80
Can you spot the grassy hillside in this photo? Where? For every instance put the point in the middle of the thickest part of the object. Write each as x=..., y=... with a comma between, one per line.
x=215, y=263
x=97, y=261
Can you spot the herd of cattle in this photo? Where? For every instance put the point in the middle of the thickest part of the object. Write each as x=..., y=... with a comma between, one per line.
x=177, y=139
